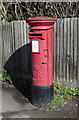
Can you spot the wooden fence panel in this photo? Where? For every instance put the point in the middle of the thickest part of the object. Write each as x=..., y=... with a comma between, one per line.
x=66, y=56
x=15, y=49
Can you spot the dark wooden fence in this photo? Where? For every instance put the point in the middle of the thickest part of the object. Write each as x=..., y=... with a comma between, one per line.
x=15, y=50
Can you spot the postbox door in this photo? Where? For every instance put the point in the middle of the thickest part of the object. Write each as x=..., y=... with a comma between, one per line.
x=39, y=62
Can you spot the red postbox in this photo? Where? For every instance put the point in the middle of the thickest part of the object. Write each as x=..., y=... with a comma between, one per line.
x=42, y=59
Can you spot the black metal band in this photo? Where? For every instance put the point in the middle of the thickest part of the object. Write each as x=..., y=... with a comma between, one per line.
x=42, y=95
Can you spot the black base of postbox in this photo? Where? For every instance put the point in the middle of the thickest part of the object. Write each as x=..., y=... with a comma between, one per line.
x=42, y=95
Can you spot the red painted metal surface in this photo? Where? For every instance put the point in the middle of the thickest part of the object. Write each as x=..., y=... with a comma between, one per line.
x=42, y=55
x=41, y=21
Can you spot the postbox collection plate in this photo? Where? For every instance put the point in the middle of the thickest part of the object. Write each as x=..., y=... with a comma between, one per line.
x=35, y=46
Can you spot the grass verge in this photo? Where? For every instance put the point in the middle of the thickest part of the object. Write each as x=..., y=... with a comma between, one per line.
x=62, y=95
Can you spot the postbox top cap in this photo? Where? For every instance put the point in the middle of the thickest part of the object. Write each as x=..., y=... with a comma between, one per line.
x=41, y=19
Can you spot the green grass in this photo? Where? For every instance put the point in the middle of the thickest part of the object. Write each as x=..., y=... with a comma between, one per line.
x=4, y=76
x=62, y=94
x=58, y=100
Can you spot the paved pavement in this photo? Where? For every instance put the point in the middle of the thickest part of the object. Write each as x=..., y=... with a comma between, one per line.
x=15, y=105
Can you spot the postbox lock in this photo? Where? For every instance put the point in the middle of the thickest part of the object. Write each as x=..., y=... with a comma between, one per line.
x=43, y=62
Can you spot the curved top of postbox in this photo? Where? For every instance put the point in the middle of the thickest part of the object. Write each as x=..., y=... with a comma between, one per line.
x=44, y=21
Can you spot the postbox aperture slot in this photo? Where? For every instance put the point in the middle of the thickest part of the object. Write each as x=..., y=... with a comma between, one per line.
x=35, y=35
x=35, y=46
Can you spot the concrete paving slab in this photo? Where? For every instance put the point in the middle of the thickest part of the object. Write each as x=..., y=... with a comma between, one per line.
x=15, y=105
x=66, y=111
x=13, y=100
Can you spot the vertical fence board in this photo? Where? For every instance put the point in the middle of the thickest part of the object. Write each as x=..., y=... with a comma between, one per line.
x=75, y=49
x=72, y=51
x=65, y=49
x=61, y=50
x=78, y=53
x=27, y=27
x=9, y=46
x=58, y=49
x=12, y=47
x=68, y=50
x=0, y=45
x=5, y=45
x=23, y=42
x=28, y=50
x=17, y=43
x=25, y=48
x=20, y=46
x=55, y=50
